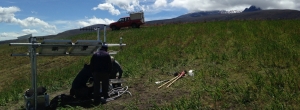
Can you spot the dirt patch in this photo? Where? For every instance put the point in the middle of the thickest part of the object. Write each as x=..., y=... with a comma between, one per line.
x=145, y=95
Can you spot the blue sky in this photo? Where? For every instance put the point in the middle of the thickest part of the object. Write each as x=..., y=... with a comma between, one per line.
x=48, y=17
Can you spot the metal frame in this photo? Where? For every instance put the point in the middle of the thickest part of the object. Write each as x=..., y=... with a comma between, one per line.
x=84, y=47
x=68, y=47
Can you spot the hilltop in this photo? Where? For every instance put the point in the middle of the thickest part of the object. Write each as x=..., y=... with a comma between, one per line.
x=252, y=15
x=251, y=64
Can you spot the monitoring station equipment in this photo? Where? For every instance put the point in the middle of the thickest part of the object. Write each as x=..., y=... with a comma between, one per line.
x=55, y=47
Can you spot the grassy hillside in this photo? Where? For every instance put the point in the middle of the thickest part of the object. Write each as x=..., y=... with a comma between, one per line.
x=239, y=65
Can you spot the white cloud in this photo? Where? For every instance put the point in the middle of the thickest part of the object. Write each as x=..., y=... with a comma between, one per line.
x=10, y=35
x=160, y=3
x=109, y=7
x=127, y=5
x=67, y=24
x=9, y=10
x=7, y=15
x=64, y=25
x=36, y=22
x=61, y=22
x=156, y=6
x=94, y=20
x=29, y=31
x=204, y=5
x=34, y=12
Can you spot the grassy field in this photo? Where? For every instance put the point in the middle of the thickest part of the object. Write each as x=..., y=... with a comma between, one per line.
x=238, y=65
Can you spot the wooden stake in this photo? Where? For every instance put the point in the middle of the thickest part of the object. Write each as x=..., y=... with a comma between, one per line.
x=174, y=81
x=182, y=73
x=168, y=81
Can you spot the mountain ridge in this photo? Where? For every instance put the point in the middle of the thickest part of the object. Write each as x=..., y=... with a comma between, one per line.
x=274, y=14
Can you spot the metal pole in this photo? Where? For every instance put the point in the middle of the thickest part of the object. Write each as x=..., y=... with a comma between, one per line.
x=31, y=60
x=104, y=34
x=121, y=43
x=35, y=77
x=98, y=34
x=33, y=69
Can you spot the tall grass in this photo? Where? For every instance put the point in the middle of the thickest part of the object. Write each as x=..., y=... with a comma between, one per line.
x=239, y=64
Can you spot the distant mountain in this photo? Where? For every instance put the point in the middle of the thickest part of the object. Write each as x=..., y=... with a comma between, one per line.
x=252, y=8
x=72, y=32
x=251, y=13
x=64, y=34
x=206, y=13
x=218, y=12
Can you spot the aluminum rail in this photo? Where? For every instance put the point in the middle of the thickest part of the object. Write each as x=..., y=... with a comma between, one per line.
x=40, y=44
x=76, y=54
x=115, y=45
x=104, y=32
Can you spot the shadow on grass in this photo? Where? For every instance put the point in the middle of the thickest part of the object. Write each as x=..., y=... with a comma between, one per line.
x=66, y=101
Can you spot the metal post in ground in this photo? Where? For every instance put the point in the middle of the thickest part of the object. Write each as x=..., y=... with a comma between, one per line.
x=104, y=34
x=121, y=43
x=98, y=36
x=33, y=69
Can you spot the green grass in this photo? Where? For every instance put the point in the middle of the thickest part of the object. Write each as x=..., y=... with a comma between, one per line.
x=239, y=65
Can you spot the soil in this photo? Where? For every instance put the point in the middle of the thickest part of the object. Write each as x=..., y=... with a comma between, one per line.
x=145, y=95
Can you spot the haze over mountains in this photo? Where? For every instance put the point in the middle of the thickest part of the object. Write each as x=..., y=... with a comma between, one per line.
x=218, y=12
x=251, y=13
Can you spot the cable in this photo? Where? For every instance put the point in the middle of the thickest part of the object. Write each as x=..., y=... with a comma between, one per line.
x=119, y=91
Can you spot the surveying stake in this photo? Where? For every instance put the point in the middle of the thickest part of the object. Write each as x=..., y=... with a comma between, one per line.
x=171, y=81
x=51, y=47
